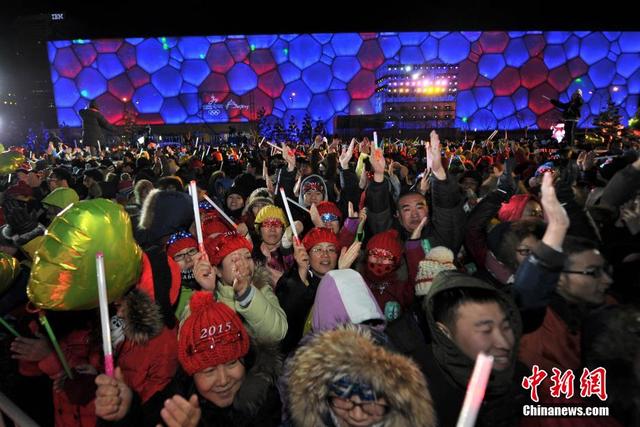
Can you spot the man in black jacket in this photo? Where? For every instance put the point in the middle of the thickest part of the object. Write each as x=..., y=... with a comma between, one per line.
x=93, y=122
x=570, y=113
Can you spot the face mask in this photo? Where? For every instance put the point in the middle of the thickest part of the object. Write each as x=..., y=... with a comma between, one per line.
x=380, y=270
x=117, y=330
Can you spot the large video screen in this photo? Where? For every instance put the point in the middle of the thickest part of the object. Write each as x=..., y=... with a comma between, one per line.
x=502, y=78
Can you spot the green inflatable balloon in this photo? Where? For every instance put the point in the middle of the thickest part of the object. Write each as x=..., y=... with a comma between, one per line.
x=10, y=161
x=63, y=276
x=9, y=269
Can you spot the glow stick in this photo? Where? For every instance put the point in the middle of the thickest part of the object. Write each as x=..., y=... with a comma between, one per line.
x=286, y=206
x=298, y=205
x=475, y=391
x=375, y=140
x=99, y=149
x=44, y=322
x=9, y=328
x=274, y=146
x=220, y=211
x=104, y=315
x=196, y=213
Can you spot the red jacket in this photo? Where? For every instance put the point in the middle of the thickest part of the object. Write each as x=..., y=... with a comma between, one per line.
x=78, y=351
x=148, y=368
x=550, y=346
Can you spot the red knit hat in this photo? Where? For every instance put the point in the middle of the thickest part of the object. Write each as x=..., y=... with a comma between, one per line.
x=512, y=211
x=179, y=241
x=212, y=224
x=389, y=241
x=213, y=334
x=223, y=244
x=329, y=208
x=148, y=285
x=320, y=235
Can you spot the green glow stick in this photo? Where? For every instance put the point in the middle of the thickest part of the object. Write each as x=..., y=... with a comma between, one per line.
x=56, y=346
x=9, y=328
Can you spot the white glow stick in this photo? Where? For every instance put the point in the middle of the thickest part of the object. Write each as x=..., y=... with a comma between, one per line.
x=475, y=391
x=197, y=139
x=193, y=189
x=220, y=211
x=104, y=315
x=274, y=146
x=298, y=205
x=375, y=140
x=99, y=149
x=288, y=209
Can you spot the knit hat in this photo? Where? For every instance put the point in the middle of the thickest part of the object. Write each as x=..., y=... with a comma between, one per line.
x=213, y=224
x=21, y=189
x=213, y=334
x=329, y=211
x=224, y=244
x=512, y=211
x=270, y=211
x=438, y=259
x=259, y=195
x=389, y=241
x=179, y=241
x=320, y=235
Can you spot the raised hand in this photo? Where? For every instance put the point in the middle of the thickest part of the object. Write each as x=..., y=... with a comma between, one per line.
x=348, y=256
x=434, y=147
x=179, y=412
x=204, y=272
x=346, y=155
x=417, y=233
x=113, y=397
x=556, y=215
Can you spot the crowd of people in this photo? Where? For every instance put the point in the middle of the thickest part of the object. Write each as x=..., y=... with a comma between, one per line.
x=400, y=263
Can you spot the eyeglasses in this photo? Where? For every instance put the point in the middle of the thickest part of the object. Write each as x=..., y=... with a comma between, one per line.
x=523, y=251
x=371, y=408
x=183, y=257
x=595, y=272
x=329, y=251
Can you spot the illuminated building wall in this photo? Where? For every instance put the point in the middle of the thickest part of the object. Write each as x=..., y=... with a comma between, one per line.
x=502, y=76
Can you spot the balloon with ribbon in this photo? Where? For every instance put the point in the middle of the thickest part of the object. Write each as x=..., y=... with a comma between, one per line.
x=63, y=276
x=9, y=269
x=10, y=161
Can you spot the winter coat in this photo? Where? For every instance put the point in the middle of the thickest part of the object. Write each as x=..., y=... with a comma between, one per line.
x=352, y=352
x=448, y=369
x=73, y=405
x=447, y=217
x=296, y=299
x=148, y=357
x=256, y=404
x=93, y=124
x=264, y=318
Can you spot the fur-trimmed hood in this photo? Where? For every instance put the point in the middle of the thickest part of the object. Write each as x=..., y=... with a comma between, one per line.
x=265, y=362
x=351, y=351
x=142, y=316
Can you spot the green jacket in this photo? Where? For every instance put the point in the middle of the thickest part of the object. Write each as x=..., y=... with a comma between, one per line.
x=264, y=318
